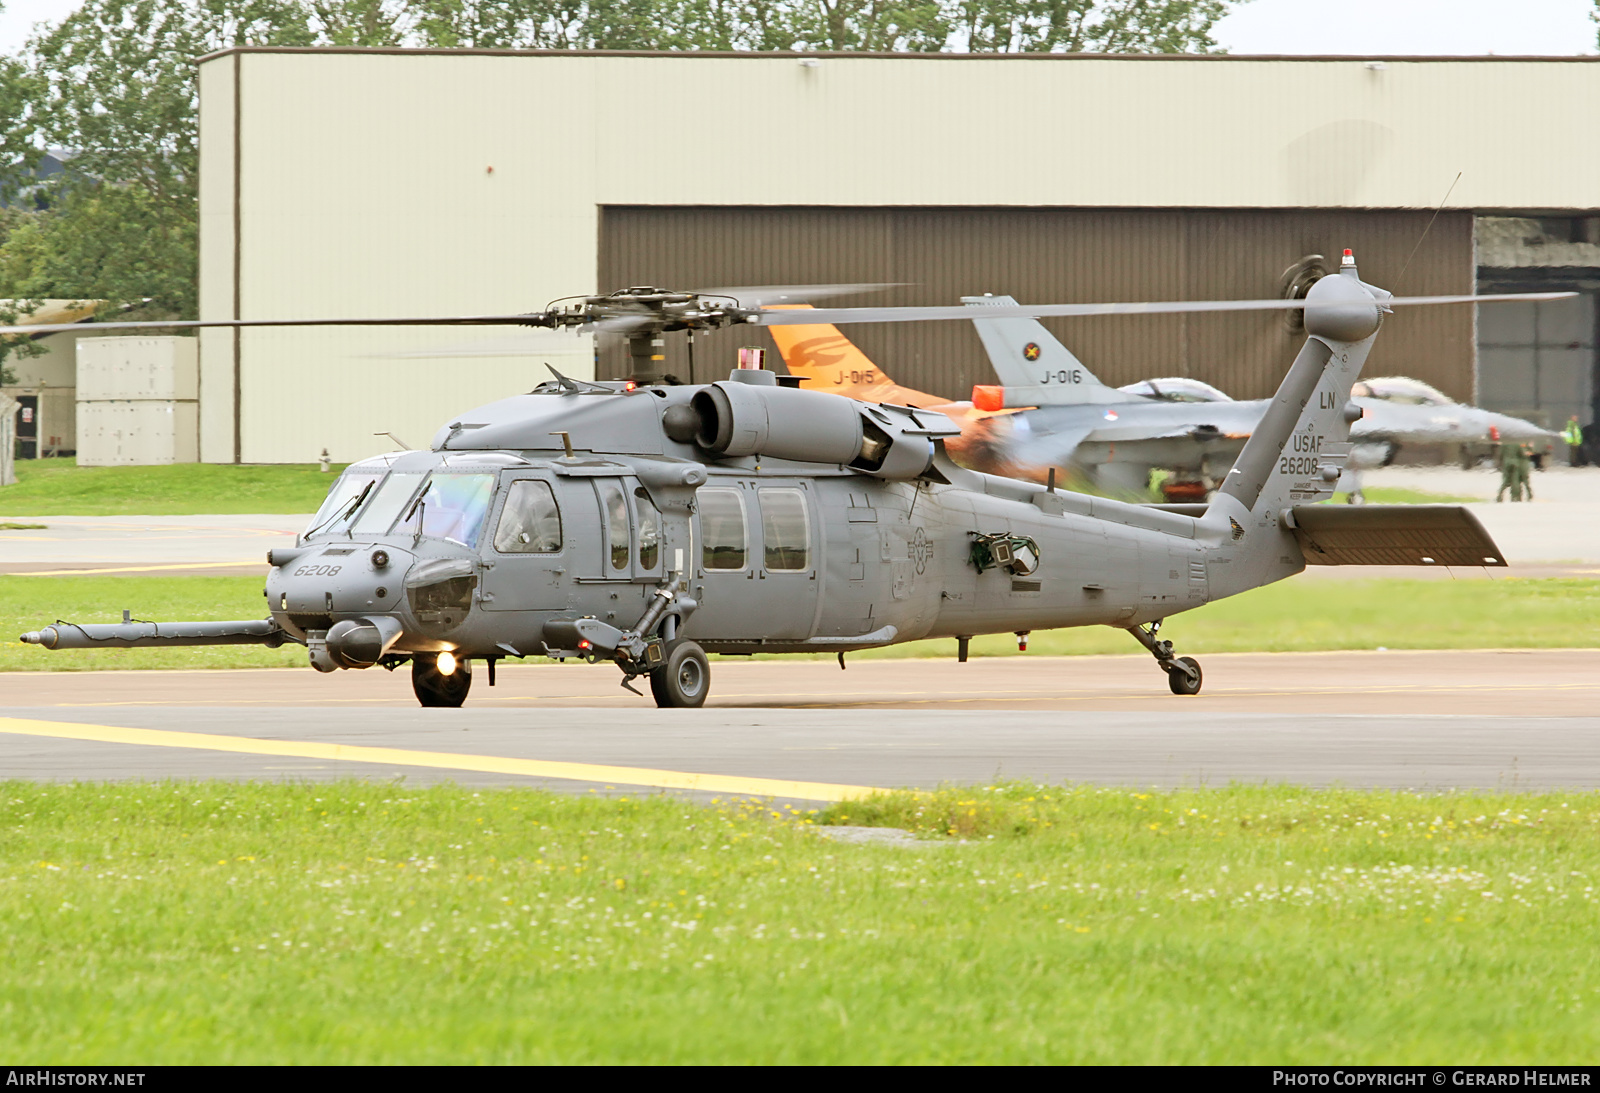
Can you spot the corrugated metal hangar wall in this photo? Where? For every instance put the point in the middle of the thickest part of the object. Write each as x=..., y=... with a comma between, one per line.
x=1059, y=256
x=339, y=182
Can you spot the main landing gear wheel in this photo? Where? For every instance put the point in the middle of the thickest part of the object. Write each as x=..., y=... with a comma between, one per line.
x=1180, y=681
x=1183, y=673
x=435, y=688
x=684, y=679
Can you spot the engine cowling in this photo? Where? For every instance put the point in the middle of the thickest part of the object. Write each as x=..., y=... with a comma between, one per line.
x=742, y=419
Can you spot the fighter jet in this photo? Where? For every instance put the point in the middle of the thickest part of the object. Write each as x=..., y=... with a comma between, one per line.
x=1396, y=411
x=1112, y=437
x=1050, y=412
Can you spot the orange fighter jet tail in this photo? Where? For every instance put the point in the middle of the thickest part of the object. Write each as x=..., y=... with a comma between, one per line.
x=828, y=361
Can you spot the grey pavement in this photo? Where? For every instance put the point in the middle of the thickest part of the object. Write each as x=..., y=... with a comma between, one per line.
x=99, y=542
x=1560, y=525
x=889, y=748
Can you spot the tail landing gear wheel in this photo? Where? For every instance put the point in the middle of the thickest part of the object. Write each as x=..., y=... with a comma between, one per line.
x=433, y=687
x=684, y=679
x=1180, y=682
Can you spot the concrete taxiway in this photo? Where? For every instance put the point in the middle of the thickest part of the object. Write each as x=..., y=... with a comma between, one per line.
x=1424, y=720
x=145, y=545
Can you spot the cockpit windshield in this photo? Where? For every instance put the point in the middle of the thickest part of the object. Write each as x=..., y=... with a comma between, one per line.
x=386, y=504
x=1401, y=389
x=343, y=500
x=453, y=506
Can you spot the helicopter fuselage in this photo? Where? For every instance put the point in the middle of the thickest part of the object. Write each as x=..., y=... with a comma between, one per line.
x=487, y=553
x=649, y=524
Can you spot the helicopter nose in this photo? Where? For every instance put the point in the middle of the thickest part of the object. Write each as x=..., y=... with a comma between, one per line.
x=321, y=585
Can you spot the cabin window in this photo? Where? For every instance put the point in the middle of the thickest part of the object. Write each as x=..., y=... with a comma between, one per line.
x=530, y=523
x=785, y=530
x=649, y=529
x=722, y=531
x=616, y=514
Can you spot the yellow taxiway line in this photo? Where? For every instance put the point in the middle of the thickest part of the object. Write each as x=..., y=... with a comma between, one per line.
x=486, y=764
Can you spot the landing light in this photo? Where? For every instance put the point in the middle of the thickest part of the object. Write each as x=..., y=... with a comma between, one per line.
x=447, y=664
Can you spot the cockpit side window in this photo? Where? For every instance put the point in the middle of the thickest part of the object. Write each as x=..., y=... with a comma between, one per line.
x=530, y=522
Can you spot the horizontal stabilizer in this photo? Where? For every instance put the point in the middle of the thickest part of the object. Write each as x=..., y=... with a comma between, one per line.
x=1423, y=535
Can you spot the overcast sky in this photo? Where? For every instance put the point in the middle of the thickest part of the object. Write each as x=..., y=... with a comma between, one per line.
x=1553, y=27
x=1367, y=27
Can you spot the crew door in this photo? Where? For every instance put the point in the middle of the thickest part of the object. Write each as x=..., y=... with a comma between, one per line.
x=526, y=567
x=759, y=558
x=782, y=600
x=725, y=566
x=640, y=545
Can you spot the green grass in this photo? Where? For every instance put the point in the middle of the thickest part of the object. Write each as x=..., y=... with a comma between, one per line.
x=59, y=487
x=1397, y=495
x=350, y=923
x=28, y=603
x=1297, y=615
x=1311, y=615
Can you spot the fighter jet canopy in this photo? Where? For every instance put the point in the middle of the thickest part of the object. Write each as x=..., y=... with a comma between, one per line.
x=1176, y=389
x=1401, y=389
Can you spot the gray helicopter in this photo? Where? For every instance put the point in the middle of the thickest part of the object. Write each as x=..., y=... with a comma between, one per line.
x=1184, y=425
x=649, y=524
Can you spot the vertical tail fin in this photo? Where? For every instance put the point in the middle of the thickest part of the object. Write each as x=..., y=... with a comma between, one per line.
x=1033, y=366
x=1296, y=453
x=828, y=361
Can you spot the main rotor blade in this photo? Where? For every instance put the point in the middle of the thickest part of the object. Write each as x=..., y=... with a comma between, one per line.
x=811, y=317
x=767, y=295
x=536, y=319
x=838, y=315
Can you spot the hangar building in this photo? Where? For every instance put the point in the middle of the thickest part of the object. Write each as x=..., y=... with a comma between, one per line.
x=339, y=182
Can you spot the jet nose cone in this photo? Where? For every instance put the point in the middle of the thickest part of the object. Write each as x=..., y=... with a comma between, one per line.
x=1515, y=428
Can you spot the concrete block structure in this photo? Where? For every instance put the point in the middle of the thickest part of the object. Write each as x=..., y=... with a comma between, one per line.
x=137, y=401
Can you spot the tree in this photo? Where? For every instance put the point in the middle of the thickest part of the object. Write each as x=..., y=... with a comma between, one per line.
x=114, y=82
x=1089, y=26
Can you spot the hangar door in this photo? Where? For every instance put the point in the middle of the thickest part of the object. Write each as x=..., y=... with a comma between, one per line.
x=937, y=255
